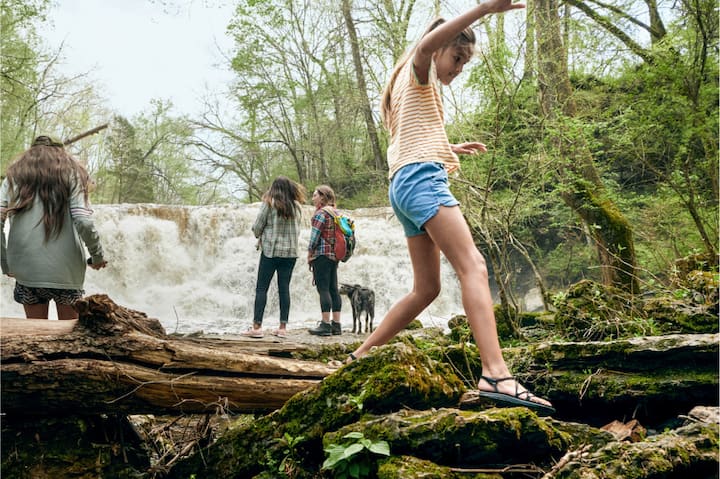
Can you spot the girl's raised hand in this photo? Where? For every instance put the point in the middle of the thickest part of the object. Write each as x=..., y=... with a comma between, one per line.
x=500, y=6
x=469, y=148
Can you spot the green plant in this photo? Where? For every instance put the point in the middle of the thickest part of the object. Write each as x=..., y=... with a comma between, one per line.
x=288, y=464
x=354, y=459
x=357, y=401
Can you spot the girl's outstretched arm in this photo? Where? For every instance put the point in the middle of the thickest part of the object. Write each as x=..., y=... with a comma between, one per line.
x=443, y=34
x=468, y=148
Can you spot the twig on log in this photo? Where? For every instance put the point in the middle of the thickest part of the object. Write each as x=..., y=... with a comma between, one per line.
x=139, y=386
x=586, y=384
x=515, y=468
x=569, y=456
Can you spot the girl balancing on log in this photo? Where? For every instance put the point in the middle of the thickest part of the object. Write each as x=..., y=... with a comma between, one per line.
x=419, y=158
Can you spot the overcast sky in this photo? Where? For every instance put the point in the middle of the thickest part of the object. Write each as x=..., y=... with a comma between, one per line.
x=141, y=49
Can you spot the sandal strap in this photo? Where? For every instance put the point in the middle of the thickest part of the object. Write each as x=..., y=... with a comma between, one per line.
x=524, y=395
x=494, y=382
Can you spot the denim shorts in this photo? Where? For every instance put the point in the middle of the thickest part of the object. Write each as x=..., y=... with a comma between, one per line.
x=30, y=295
x=416, y=193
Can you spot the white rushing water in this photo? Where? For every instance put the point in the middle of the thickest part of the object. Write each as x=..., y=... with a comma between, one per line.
x=195, y=268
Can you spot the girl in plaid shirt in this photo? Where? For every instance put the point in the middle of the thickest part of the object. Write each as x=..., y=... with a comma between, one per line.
x=277, y=226
x=323, y=263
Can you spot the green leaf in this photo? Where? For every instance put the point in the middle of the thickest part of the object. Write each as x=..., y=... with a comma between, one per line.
x=335, y=454
x=354, y=470
x=380, y=447
x=352, y=449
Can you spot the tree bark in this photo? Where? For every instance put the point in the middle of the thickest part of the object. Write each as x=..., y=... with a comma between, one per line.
x=583, y=190
x=379, y=159
x=115, y=360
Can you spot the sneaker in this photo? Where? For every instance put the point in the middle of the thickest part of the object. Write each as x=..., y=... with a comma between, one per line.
x=336, y=328
x=323, y=329
x=253, y=333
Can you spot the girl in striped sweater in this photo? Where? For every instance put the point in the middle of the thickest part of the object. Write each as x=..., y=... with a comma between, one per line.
x=419, y=160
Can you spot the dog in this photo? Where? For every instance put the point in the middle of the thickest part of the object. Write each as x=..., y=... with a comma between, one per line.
x=362, y=300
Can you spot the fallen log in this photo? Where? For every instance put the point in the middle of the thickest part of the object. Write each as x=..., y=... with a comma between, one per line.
x=116, y=360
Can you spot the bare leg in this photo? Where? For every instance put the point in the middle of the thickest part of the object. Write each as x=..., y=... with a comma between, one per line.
x=66, y=311
x=450, y=232
x=36, y=311
x=425, y=258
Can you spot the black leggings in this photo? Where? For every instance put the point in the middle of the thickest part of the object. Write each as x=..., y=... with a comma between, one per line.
x=266, y=270
x=325, y=275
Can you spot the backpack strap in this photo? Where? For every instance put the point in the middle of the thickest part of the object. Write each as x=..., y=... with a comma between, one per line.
x=329, y=210
x=330, y=230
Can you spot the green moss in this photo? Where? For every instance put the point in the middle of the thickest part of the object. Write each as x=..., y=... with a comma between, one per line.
x=414, y=324
x=326, y=352
x=71, y=447
x=408, y=467
x=590, y=311
x=391, y=377
x=684, y=452
x=608, y=386
x=452, y=437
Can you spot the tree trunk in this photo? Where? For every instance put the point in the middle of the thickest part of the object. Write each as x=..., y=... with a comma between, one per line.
x=582, y=188
x=379, y=163
x=115, y=360
x=530, y=56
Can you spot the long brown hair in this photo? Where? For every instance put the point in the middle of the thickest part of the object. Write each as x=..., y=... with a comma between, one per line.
x=464, y=39
x=283, y=194
x=47, y=171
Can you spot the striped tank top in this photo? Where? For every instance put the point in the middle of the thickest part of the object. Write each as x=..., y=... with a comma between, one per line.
x=417, y=128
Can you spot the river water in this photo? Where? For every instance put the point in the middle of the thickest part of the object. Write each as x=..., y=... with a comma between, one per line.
x=194, y=268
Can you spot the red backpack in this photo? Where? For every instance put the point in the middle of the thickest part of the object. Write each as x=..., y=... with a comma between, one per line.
x=343, y=235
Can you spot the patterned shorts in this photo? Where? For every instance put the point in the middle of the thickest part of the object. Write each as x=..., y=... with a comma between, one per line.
x=29, y=295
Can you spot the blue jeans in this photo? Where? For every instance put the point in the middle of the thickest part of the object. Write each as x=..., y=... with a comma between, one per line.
x=266, y=271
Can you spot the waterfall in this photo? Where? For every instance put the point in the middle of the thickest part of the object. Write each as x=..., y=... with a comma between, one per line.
x=195, y=267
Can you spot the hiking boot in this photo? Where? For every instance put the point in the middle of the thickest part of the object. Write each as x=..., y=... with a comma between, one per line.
x=323, y=329
x=336, y=329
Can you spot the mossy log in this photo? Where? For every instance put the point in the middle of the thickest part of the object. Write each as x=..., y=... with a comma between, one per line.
x=116, y=360
x=651, y=378
x=688, y=451
x=399, y=395
x=393, y=377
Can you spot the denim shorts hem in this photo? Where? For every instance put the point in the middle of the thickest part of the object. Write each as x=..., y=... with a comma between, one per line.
x=417, y=191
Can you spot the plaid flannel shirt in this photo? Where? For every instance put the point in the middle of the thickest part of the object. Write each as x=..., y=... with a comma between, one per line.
x=323, y=228
x=278, y=235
